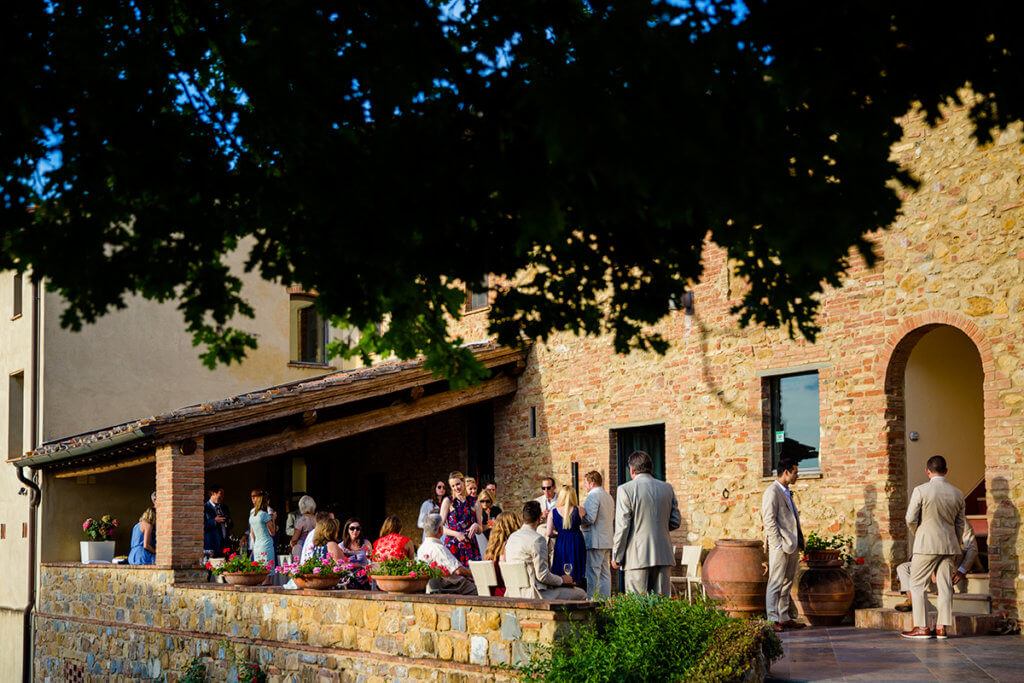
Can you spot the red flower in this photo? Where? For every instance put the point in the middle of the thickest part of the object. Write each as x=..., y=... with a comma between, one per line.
x=233, y=556
x=255, y=563
x=860, y=560
x=226, y=550
x=209, y=566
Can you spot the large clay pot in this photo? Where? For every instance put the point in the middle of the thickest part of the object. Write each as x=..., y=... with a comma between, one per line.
x=825, y=591
x=734, y=573
x=400, y=584
x=316, y=582
x=245, y=578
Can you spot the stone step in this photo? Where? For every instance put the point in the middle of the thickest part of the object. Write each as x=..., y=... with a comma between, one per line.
x=966, y=603
x=978, y=583
x=891, y=620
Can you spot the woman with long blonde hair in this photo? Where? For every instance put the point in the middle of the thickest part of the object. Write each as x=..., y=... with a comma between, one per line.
x=570, y=556
x=505, y=525
x=462, y=521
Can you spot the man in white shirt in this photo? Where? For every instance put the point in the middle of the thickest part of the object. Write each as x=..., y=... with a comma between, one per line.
x=598, y=529
x=433, y=551
x=526, y=545
x=548, y=499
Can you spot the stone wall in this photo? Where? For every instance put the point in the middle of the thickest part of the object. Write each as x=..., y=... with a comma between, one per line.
x=148, y=623
x=954, y=257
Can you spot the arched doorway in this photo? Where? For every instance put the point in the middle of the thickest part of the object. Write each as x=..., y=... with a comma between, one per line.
x=935, y=406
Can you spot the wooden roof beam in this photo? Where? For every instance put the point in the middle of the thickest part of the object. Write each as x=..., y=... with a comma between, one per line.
x=293, y=439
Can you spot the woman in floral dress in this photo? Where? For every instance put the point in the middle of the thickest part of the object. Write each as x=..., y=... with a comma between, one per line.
x=462, y=521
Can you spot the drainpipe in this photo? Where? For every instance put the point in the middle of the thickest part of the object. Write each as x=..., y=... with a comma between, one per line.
x=34, y=493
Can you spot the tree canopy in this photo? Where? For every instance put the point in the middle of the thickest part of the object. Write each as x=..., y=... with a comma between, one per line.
x=380, y=152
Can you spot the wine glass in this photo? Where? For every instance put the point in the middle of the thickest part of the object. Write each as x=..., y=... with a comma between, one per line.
x=568, y=568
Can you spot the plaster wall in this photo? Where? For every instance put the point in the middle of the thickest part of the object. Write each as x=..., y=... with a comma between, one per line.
x=945, y=405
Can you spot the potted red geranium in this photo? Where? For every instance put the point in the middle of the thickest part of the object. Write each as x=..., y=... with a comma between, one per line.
x=402, y=575
x=241, y=570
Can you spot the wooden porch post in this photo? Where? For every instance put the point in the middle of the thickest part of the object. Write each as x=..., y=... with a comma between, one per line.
x=179, y=503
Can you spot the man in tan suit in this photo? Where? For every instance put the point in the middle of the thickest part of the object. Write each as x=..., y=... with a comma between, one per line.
x=645, y=512
x=936, y=518
x=526, y=545
x=785, y=540
x=970, y=554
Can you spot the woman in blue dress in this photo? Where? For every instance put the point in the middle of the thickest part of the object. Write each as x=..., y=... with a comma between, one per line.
x=261, y=525
x=143, y=549
x=570, y=548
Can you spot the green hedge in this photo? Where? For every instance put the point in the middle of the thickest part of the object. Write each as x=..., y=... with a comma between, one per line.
x=650, y=637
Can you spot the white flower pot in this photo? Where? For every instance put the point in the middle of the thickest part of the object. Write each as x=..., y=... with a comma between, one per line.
x=97, y=551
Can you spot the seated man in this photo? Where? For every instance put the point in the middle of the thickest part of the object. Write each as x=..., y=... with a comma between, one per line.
x=970, y=553
x=433, y=550
x=526, y=545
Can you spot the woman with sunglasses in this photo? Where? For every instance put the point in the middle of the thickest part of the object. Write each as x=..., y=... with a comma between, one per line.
x=488, y=511
x=356, y=550
x=431, y=506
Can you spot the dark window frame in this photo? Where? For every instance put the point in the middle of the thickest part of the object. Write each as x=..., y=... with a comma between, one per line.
x=311, y=330
x=478, y=300
x=773, y=422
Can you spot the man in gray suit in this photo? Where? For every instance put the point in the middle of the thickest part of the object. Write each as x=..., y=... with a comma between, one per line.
x=645, y=512
x=936, y=518
x=598, y=527
x=526, y=545
x=785, y=540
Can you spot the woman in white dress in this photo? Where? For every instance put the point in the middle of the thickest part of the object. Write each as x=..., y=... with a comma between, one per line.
x=431, y=506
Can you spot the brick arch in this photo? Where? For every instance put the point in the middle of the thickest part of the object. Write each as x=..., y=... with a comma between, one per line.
x=890, y=367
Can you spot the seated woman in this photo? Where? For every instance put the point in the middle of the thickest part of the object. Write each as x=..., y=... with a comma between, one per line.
x=325, y=540
x=505, y=525
x=392, y=544
x=143, y=549
x=356, y=550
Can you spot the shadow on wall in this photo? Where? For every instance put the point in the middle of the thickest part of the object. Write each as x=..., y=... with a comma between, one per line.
x=1002, y=543
x=868, y=578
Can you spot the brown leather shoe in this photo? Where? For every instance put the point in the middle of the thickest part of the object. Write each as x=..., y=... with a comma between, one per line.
x=905, y=606
x=776, y=626
x=940, y=633
x=919, y=633
x=793, y=624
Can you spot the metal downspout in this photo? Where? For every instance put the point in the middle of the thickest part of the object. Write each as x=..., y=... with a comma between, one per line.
x=34, y=495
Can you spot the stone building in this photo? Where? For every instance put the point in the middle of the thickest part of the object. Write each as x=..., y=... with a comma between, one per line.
x=920, y=355
x=133, y=362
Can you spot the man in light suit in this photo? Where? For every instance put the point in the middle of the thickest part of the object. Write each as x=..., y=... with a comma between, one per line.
x=526, y=545
x=936, y=518
x=970, y=554
x=645, y=512
x=785, y=540
x=598, y=527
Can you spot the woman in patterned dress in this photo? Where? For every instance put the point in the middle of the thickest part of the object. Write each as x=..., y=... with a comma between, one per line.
x=462, y=521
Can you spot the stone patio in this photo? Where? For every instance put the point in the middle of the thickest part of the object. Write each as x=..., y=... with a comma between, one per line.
x=847, y=653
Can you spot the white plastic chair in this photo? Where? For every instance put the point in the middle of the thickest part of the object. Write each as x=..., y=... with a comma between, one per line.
x=518, y=583
x=484, y=576
x=691, y=560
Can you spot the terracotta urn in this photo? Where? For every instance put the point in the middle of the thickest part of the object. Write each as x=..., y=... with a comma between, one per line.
x=400, y=584
x=825, y=591
x=245, y=578
x=735, y=574
x=316, y=582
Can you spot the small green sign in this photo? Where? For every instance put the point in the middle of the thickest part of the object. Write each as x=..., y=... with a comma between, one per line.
x=780, y=437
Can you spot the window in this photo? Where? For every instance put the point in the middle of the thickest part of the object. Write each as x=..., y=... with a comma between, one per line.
x=16, y=415
x=794, y=427
x=532, y=422
x=479, y=295
x=16, y=309
x=308, y=331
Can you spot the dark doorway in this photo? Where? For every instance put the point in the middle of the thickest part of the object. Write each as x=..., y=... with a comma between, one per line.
x=650, y=439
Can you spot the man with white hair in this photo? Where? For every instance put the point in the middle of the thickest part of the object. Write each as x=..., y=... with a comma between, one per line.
x=433, y=551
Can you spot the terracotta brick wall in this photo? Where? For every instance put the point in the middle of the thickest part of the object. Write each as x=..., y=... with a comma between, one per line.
x=179, y=495
x=954, y=257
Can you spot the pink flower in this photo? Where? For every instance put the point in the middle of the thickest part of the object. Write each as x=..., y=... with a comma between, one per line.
x=412, y=575
x=316, y=570
x=86, y=523
x=115, y=522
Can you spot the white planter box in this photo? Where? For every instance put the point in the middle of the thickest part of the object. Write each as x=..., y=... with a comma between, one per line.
x=97, y=551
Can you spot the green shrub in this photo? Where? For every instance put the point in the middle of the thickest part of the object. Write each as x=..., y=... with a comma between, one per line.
x=194, y=672
x=649, y=637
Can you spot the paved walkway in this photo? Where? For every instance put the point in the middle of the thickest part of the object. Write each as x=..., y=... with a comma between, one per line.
x=846, y=653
